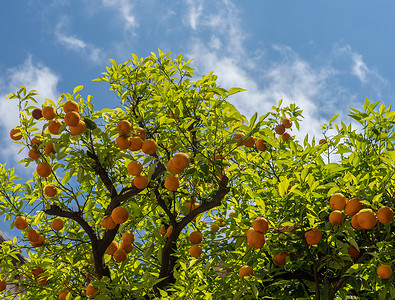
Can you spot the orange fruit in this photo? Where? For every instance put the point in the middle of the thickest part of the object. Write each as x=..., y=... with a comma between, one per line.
x=162, y=230
x=63, y=295
x=16, y=134
x=91, y=291
x=122, y=142
x=37, y=113
x=44, y=169
x=35, y=142
x=322, y=141
x=354, y=222
x=285, y=136
x=20, y=222
x=231, y=214
x=140, y=132
x=48, y=112
x=135, y=143
x=112, y=248
x=181, y=160
x=280, y=259
x=353, y=206
x=124, y=127
x=127, y=247
x=261, y=144
x=248, y=231
x=336, y=217
x=149, y=147
x=39, y=243
x=313, y=236
x=140, y=181
x=214, y=227
x=191, y=206
x=80, y=128
x=120, y=215
x=54, y=126
x=338, y=201
x=50, y=190
x=385, y=214
x=135, y=168
x=172, y=168
x=286, y=122
x=279, y=129
x=57, y=224
x=34, y=154
x=128, y=237
x=195, y=237
x=120, y=255
x=384, y=271
x=172, y=183
x=169, y=231
x=49, y=149
x=366, y=218
x=354, y=253
x=108, y=223
x=195, y=250
x=256, y=239
x=3, y=285
x=238, y=135
x=37, y=271
x=33, y=235
x=250, y=142
x=71, y=106
x=246, y=271
x=72, y=118
x=261, y=225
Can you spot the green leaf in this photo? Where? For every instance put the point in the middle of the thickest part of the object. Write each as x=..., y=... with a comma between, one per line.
x=235, y=90
x=77, y=89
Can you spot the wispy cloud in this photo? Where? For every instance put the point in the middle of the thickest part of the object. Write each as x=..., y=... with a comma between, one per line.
x=125, y=9
x=195, y=8
x=73, y=43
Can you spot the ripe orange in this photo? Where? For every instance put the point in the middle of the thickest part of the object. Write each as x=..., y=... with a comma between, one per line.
x=181, y=160
x=149, y=147
x=140, y=132
x=50, y=190
x=49, y=149
x=322, y=141
x=279, y=259
x=354, y=253
x=54, y=126
x=231, y=214
x=3, y=285
x=313, y=236
x=20, y=222
x=384, y=271
x=33, y=235
x=261, y=144
x=285, y=136
x=128, y=237
x=250, y=142
x=172, y=168
x=246, y=271
x=256, y=239
x=385, y=214
x=37, y=113
x=127, y=247
x=172, y=183
x=124, y=127
x=354, y=222
x=338, y=201
x=37, y=271
x=35, y=143
x=135, y=168
x=63, y=295
x=214, y=227
x=367, y=218
x=135, y=143
x=34, y=154
x=162, y=230
x=16, y=134
x=112, y=248
x=238, y=136
x=336, y=217
x=91, y=291
x=261, y=225
x=72, y=118
x=48, y=112
x=39, y=243
x=195, y=237
x=108, y=223
x=80, y=128
x=169, y=231
x=279, y=129
x=195, y=250
x=120, y=255
x=191, y=206
x=248, y=231
x=57, y=224
x=44, y=169
x=120, y=215
x=71, y=106
x=122, y=142
x=287, y=123
x=140, y=181
x=353, y=206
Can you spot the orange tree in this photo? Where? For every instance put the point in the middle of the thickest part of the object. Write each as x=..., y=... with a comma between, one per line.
x=175, y=194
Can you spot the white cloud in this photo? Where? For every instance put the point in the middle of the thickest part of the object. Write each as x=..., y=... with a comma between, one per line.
x=194, y=12
x=34, y=76
x=125, y=9
x=75, y=44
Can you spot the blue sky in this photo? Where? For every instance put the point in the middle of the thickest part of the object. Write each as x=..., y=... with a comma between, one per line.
x=322, y=55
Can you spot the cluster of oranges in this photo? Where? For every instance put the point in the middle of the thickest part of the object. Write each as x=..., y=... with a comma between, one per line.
x=195, y=238
x=119, y=215
x=176, y=165
x=120, y=253
x=286, y=123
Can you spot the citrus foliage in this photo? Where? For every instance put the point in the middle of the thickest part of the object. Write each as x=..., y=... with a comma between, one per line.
x=175, y=159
